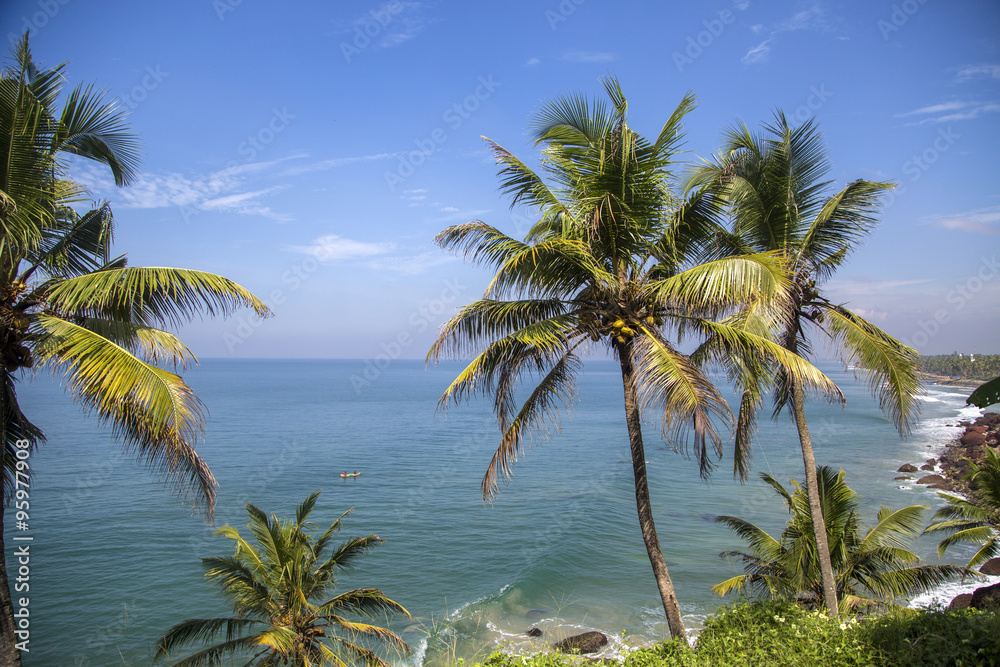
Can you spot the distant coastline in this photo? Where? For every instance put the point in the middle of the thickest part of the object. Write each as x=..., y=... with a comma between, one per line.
x=949, y=381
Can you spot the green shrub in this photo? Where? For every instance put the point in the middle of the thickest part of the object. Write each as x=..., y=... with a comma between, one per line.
x=782, y=634
x=963, y=638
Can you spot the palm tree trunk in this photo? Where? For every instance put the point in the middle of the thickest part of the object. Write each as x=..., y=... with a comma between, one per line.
x=812, y=490
x=642, y=505
x=9, y=655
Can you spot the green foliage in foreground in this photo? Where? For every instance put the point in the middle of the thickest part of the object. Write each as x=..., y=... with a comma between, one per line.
x=776, y=633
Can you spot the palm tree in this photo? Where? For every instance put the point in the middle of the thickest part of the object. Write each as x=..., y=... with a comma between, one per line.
x=873, y=567
x=602, y=268
x=68, y=305
x=772, y=182
x=272, y=585
x=976, y=519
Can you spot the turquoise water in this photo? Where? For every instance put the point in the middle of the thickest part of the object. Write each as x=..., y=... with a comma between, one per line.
x=115, y=557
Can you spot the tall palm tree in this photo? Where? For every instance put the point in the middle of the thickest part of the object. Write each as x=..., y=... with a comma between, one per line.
x=773, y=184
x=602, y=268
x=68, y=305
x=975, y=519
x=873, y=567
x=272, y=586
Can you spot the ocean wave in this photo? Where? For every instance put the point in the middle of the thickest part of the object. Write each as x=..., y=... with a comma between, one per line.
x=942, y=595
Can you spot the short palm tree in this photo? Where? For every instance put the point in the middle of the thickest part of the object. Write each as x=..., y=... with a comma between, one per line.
x=873, y=568
x=68, y=305
x=608, y=265
x=778, y=201
x=976, y=519
x=282, y=591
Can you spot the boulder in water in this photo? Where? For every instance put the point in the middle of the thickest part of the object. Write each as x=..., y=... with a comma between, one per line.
x=973, y=439
x=907, y=467
x=991, y=567
x=931, y=479
x=960, y=601
x=588, y=642
x=987, y=597
x=534, y=632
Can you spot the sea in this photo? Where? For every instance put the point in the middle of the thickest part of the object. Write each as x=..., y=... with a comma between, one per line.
x=115, y=553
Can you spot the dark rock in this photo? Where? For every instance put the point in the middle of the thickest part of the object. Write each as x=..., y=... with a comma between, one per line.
x=927, y=466
x=966, y=424
x=901, y=477
x=991, y=567
x=942, y=486
x=535, y=632
x=907, y=468
x=987, y=597
x=931, y=479
x=931, y=462
x=588, y=642
x=977, y=429
x=960, y=601
x=972, y=439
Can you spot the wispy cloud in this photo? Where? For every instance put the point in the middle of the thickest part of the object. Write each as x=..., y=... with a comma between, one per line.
x=414, y=265
x=810, y=18
x=225, y=190
x=387, y=25
x=246, y=203
x=757, y=54
x=979, y=221
x=533, y=62
x=333, y=248
x=334, y=163
x=948, y=112
x=974, y=72
x=588, y=57
x=452, y=214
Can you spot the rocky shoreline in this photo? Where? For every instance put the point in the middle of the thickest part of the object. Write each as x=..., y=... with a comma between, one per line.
x=951, y=466
x=946, y=474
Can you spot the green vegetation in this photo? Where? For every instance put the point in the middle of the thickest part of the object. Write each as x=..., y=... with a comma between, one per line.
x=980, y=367
x=986, y=394
x=271, y=585
x=975, y=519
x=68, y=305
x=782, y=634
x=872, y=568
x=612, y=262
x=773, y=188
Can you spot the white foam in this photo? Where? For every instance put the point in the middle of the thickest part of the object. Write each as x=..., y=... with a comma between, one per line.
x=945, y=593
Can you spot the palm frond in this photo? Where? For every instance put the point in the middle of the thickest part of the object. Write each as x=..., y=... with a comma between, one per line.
x=538, y=413
x=890, y=367
x=155, y=412
x=152, y=295
x=683, y=397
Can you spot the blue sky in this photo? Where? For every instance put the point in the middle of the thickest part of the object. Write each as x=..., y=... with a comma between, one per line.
x=312, y=150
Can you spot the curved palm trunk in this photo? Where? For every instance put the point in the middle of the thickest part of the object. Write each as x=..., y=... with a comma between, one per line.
x=812, y=490
x=632, y=418
x=9, y=655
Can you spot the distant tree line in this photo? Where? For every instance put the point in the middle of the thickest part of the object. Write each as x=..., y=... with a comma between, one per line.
x=974, y=366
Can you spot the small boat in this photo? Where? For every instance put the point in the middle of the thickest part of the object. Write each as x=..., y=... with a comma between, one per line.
x=350, y=474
